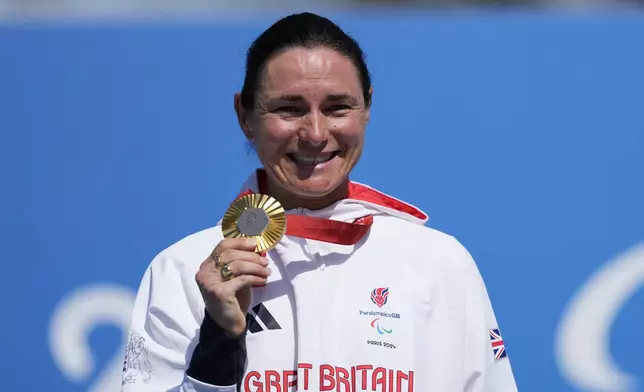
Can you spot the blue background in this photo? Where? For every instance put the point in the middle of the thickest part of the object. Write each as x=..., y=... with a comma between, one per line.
x=520, y=134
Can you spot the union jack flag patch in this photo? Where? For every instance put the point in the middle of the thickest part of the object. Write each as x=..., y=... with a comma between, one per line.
x=498, y=346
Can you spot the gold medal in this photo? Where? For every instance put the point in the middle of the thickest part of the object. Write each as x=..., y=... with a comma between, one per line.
x=258, y=216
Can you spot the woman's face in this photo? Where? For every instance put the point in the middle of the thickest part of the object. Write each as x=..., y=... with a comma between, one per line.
x=309, y=120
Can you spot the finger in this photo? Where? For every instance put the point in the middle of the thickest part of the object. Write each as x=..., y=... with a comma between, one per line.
x=208, y=277
x=244, y=281
x=230, y=255
x=242, y=243
x=208, y=273
x=241, y=267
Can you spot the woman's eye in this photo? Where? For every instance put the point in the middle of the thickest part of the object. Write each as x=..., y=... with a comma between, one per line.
x=338, y=109
x=288, y=109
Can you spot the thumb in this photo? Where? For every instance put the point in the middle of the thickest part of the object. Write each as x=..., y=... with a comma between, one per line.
x=240, y=282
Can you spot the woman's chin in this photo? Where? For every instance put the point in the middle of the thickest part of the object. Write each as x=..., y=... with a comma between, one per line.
x=316, y=182
x=313, y=187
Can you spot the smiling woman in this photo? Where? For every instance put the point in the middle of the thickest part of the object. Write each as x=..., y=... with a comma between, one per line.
x=343, y=301
x=305, y=106
x=308, y=125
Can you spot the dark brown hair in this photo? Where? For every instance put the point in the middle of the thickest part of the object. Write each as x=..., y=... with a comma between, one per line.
x=301, y=30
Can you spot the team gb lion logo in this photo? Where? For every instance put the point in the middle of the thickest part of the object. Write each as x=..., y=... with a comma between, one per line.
x=379, y=296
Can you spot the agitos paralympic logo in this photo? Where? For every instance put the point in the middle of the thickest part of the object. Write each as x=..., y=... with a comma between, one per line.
x=375, y=323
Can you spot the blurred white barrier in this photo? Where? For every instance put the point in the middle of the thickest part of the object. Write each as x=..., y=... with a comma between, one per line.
x=66, y=9
x=72, y=322
x=582, y=345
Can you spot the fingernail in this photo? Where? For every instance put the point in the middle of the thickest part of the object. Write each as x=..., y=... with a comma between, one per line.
x=251, y=241
x=263, y=261
x=268, y=270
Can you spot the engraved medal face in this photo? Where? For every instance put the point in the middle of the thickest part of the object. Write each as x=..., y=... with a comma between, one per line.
x=258, y=216
x=253, y=221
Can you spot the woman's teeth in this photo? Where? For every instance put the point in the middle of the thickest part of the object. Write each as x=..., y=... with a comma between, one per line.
x=311, y=159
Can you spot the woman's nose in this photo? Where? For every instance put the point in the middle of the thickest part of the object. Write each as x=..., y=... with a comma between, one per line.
x=314, y=129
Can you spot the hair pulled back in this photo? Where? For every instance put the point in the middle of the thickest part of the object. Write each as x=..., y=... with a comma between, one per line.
x=305, y=30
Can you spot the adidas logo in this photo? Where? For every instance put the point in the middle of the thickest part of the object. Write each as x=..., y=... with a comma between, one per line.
x=260, y=319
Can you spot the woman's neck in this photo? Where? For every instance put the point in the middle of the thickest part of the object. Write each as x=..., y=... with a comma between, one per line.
x=291, y=201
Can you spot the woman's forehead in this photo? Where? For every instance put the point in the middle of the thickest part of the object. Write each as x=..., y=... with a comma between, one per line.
x=302, y=69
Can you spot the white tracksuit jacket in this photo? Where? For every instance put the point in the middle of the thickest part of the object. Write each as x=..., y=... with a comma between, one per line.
x=403, y=310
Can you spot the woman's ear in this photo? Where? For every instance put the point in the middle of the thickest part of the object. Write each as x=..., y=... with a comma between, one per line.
x=368, y=114
x=242, y=118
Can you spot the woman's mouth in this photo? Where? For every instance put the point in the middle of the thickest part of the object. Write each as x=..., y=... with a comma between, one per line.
x=312, y=159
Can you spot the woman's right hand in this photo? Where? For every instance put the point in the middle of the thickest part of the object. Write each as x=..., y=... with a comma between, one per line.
x=227, y=302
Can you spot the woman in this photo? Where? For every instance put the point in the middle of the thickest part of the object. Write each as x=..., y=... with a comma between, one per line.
x=362, y=296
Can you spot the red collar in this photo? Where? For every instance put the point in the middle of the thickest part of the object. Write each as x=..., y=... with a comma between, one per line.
x=343, y=233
